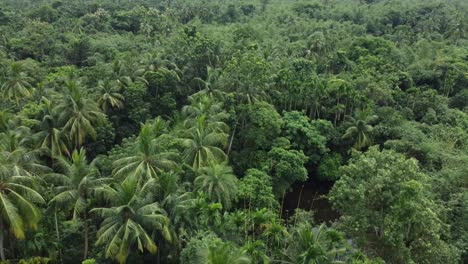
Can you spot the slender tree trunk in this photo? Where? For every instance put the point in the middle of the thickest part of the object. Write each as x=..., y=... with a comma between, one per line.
x=232, y=139
x=85, y=219
x=299, y=201
x=58, y=235
x=282, y=204
x=2, y=250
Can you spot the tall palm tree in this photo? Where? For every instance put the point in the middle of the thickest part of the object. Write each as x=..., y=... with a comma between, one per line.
x=18, y=84
x=131, y=219
x=78, y=113
x=218, y=182
x=128, y=74
x=149, y=157
x=74, y=187
x=109, y=96
x=50, y=136
x=210, y=87
x=359, y=130
x=19, y=158
x=18, y=199
x=315, y=245
x=202, y=144
x=19, y=168
x=212, y=110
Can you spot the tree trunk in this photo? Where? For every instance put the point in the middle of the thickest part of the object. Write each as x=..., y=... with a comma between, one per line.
x=85, y=251
x=232, y=139
x=2, y=250
x=58, y=236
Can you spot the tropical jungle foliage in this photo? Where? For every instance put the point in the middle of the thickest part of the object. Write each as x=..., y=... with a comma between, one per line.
x=225, y=132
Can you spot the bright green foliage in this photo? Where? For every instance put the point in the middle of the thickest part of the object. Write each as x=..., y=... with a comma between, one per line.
x=51, y=136
x=389, y=191
x=18, y=84
x=109, y=96
x=303, y=136
x=247, y=75
x=18, y=200
x=330, y=166
x=225, y=131
x=218, y=182
x=74, y=189
x=203, y=143
x=256, y=191
x=359, y=131
x=286, y=167
x=314, y=245
x=78, y=113
x=212, y=250
x=149, y=158
x=130, y=220
x=19, y=195
x=263, y=125
x=75, y=184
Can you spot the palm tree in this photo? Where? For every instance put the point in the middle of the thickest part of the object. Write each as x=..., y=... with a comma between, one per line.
x=18, y=200
x=218, y=182
x=315, y=245
x=204, y=106
x=51, y=137
x=74, y=188
x=19, y=168
x=224, y=253
x=275, y=234
x=360, y=131
x=19, y=159
x=149, y=157
x=78, y=113
x=18, y=84
x=256, y=250
x=131, y=219
x=202, y=144
x=109, y=96
x=210, y=87
x=126, y=75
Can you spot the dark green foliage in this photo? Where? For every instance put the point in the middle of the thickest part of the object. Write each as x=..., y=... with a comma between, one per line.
x=285, y=167
x=255, y=190
x=304, y=136
x=225, y=131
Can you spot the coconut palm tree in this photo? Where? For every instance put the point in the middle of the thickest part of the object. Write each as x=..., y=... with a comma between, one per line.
x=74, y=187
x=79, y=114
x=359, y=130
x=109, y=96
x=19, y=168
x=50, y=136
x=18, y=200
x=128, y=74
x=210, y=87
x=212, y=110
x=149, y=157
x=218, y=182
x=19, y=158
x=315, y=245
x=18, y=84
x=130, y=220
x=202, y=144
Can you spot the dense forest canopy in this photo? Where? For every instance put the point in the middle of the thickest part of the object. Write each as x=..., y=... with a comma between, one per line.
x=226, y=132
